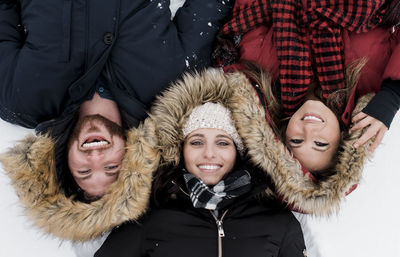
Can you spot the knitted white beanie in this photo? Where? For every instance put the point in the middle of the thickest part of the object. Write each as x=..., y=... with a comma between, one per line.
x=212, y=115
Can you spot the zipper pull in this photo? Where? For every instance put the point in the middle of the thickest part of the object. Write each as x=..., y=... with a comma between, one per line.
x=221, y=232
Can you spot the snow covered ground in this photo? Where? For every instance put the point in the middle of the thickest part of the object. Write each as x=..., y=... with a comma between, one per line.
x=367, y=224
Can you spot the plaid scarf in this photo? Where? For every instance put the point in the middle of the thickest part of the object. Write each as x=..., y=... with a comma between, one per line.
x=222, y=194
x=305, y=38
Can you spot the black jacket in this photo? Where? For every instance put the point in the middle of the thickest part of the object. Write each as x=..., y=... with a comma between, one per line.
x=52, y=53
x=250, y=228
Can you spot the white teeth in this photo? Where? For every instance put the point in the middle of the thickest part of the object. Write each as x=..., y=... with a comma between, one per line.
x=209, y=167
x=93, y=144
x=312, y=118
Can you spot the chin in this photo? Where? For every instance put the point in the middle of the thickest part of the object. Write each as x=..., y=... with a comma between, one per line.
x=211, y=181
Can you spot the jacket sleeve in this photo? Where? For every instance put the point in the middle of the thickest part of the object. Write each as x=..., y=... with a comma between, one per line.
x=197, y=24
x=33, y=78
x=11, y=38
x=166, y=47
x=293, y=242
x=123, y=241
x=385, y=104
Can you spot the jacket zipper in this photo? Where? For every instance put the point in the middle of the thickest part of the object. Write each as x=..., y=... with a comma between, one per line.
x=221, y=232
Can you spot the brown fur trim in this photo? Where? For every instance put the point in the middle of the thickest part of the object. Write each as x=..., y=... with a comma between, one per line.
x=30, y=166
x=298, y=190
x=235, y=92
x=171, y=110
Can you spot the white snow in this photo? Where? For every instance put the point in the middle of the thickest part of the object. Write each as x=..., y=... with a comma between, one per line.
x=367, y=224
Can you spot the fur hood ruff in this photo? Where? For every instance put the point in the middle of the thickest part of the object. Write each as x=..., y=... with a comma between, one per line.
x=31, y=168
x=235, y=92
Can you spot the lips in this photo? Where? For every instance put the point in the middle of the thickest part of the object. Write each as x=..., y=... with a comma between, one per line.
x=209, y=167
x=312, y=117
x=94, y=141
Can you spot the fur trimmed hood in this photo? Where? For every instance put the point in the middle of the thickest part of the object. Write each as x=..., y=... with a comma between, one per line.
x=31, y=168
x=234, y=91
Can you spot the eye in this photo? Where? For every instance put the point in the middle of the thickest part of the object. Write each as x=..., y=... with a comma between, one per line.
x=196, y=142
x=320, y=144
x=111, y=167
x=296, y=141
x=223, y=143
x=83, y=172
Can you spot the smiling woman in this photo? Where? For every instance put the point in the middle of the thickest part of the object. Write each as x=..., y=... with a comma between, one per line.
x=209, y=149
x=207, y=198
x=313, y=135
x=311, y=47
x=209, y=154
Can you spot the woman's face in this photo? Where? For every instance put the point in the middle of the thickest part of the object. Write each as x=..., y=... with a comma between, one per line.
x=313, y=135
x=209, y=154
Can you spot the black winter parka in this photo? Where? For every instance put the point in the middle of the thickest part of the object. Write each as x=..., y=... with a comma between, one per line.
x=52, y=52
x=246, y=228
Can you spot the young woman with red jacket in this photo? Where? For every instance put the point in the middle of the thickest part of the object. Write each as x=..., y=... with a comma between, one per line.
x=311, y=50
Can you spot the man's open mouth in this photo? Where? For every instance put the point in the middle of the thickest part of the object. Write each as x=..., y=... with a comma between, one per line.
x=95, y=141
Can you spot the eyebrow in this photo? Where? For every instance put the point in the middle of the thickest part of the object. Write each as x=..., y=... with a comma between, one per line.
x=224, y=136
x=218, y=136
x=195, y=135
x=314, y=148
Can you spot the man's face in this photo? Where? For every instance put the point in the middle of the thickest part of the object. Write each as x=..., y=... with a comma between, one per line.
x=95, y=152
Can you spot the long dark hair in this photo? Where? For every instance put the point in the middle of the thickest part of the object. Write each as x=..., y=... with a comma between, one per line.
x=336, y=102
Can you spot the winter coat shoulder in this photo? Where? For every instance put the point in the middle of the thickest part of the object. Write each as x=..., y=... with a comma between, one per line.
x=52, y=52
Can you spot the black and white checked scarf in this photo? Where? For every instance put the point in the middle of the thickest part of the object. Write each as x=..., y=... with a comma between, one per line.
x=222, y=194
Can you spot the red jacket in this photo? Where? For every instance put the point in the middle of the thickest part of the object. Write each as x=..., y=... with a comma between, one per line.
x=380, y=46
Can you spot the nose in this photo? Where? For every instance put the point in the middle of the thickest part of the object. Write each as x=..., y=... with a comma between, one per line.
x=310, y=129
x=209, y=151
x=96, y=154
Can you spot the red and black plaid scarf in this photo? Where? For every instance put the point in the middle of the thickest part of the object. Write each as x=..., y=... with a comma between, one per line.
x=298, y=33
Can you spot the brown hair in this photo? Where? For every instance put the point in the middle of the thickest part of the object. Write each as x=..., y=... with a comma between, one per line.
x=336, y=102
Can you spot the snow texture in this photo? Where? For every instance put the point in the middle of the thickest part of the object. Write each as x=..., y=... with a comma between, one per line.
x=367, y=224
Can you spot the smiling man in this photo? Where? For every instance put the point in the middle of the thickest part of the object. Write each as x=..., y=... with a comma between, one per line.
x=96, y=147
x=107, y=58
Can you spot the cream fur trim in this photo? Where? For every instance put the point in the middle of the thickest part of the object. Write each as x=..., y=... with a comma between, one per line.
x=235, y=92
x=31, y=168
